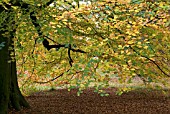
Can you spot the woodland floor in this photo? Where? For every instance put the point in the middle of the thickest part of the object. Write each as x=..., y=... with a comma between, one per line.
x=63, y=102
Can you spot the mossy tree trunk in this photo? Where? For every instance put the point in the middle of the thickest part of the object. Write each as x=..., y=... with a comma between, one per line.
x=10, y=95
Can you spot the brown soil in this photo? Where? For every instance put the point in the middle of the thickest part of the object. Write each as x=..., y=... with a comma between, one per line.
x=64, y=102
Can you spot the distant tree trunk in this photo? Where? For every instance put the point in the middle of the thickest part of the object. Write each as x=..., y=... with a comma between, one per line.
x=10, y=95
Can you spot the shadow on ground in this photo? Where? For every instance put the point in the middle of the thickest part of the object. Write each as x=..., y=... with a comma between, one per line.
x=64, y=102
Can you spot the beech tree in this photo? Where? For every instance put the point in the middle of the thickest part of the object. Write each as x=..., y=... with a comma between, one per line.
x=10, y=95
x=123, y=40
x=104, y=40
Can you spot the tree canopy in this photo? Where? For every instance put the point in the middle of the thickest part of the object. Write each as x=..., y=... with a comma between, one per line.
x=93, y=43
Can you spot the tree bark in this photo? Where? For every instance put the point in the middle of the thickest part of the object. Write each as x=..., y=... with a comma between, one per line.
x=16, y=98
x=10, y=95
x=4, y=76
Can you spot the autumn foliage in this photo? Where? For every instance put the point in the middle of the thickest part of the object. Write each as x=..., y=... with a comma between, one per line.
x=122, y=40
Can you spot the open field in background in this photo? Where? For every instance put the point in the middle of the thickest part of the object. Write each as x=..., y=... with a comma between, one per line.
x=136, y=83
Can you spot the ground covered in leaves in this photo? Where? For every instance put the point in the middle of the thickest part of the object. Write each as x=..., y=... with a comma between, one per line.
x=64, y=102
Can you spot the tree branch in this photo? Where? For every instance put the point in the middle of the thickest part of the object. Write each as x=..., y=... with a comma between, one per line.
x=52, y=78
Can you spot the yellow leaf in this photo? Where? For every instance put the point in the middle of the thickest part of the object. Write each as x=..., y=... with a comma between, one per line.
x=120, y=46
x=132, y=69
x=89, y=29
x=133, y=74
x=137, y=10
x=130, y=42
x=128, y=26
x=152, y=59
x=145, y=47
x=128, y=53
x=139, y=43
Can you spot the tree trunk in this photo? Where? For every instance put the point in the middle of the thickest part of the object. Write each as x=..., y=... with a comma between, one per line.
x=10, y=95
x=16, y=98
x=4, y=76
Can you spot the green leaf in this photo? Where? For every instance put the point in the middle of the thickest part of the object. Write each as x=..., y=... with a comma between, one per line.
x=119, y=93
x=136, y=1
x=150, y=79
x=102, y=94
x=2, y=44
